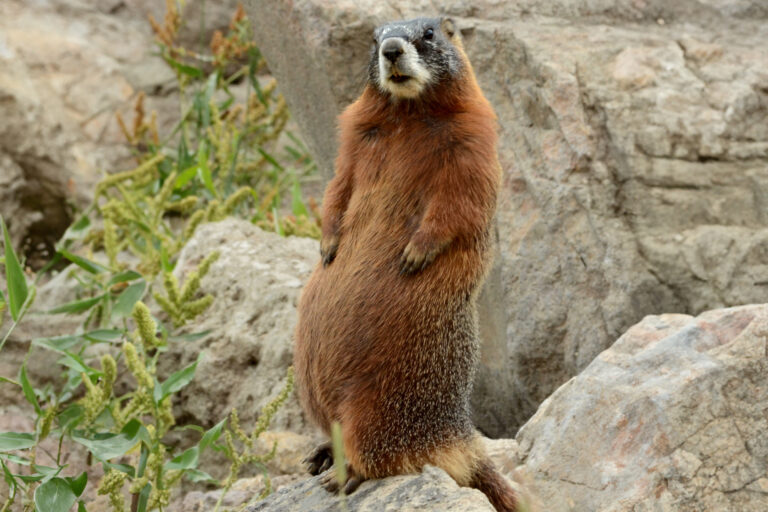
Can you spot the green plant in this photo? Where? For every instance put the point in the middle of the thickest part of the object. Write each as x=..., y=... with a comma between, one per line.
x=220, y=159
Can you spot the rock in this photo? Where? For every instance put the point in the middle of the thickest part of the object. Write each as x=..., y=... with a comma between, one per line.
x=60, y=85
x=244, y=491
x=292, y=449
x=68, y=67
x=671, y=418
x=256, y=284
x=431, y=490
x=635, y=158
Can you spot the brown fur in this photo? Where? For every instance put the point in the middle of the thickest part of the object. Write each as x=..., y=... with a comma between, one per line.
x=391, y=356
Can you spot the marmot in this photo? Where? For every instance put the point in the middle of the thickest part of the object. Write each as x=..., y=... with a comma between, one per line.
x=387, y=340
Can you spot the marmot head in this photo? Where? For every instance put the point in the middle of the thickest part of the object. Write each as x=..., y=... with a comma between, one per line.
x=410, y=56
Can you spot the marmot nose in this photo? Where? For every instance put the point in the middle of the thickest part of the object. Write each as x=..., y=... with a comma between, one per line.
x=392, y=49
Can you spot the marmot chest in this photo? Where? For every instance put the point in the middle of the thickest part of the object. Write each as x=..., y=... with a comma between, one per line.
x=397, y=171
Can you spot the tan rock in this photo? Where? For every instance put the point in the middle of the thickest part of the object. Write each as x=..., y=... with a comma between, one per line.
x=671, y=416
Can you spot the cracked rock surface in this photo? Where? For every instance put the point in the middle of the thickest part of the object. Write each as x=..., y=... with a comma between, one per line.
x=635, y=155
x=673, y=417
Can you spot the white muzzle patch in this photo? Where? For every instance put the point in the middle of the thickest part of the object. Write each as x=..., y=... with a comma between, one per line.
x=407, y=76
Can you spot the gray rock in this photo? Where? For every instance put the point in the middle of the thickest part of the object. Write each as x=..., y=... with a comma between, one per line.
x=635, y=158
x=431, y=490
x=671, y=418
x=255, y=283
x=64, y=77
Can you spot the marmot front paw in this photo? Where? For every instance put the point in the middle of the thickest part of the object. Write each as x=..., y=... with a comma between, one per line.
x=328, y=248
x=418, y=254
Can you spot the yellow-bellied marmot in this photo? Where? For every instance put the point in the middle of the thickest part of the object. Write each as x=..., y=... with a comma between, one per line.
x=387, y=339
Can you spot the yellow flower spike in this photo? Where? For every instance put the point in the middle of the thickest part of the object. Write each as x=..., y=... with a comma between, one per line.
x=169, y=308
x=45, y=427
x=136, y=367
x=194, y=308
x=183, y=205
x=145, y=325
x=235, y=199
x=213, y=212
x=192, y=224
x=171, y=285
x=113, y=179
x=111, y=484
x=109, y=367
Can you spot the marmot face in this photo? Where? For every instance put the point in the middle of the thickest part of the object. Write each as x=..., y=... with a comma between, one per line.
x=409, y=56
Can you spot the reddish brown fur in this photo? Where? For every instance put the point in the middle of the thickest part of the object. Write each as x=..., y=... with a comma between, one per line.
x=392, y=356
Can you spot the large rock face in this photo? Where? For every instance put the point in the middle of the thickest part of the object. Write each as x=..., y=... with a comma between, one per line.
x=635, y=156
x=681, y=408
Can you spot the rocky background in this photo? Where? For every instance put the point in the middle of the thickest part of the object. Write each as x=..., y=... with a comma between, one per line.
x=634, y=143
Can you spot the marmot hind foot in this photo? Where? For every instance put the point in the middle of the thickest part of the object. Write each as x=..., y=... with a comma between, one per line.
x=320, y=460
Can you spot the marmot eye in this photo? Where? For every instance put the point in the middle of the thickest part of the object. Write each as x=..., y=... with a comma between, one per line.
x=429, y=33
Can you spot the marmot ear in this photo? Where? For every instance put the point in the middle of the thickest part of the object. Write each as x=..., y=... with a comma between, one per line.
x=448, y=27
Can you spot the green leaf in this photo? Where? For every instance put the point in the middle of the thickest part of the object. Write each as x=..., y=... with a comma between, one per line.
x=143, y=498
x=269, y=158
x=9, y=381
x=14, y=275
x=297, y=204
x=75, y=362
x=212, y=435
x=184, y=69
x=77, y=484
x=103, y=335
x=10, y=441
x=77, y=306
x=81, y=506
x=125, y=302
x=15, y=459
x=41, y=473
x=185, y=177
x=190, y=337
x=204, y=171
x=74, y=232
x=9, y=480
x=165, y=260
x=187, y=460
x=195, y=475
x=84, y=263
x=278, y=227
x=123, y=277
x=55, y=495
x=179, y=379
x=125, y=468
x=70, y=417
x=109, y=446
x=29, y=391
x=58, y=343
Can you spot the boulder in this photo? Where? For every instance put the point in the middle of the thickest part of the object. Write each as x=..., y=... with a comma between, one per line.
x=635, y=158
x=671, y=418
x=249, y=346
x=431, y=490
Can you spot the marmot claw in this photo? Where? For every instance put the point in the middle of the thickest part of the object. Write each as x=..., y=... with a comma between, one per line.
x=331, y=483
x=328, y=248
x=415, y=259
x=320, y=460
